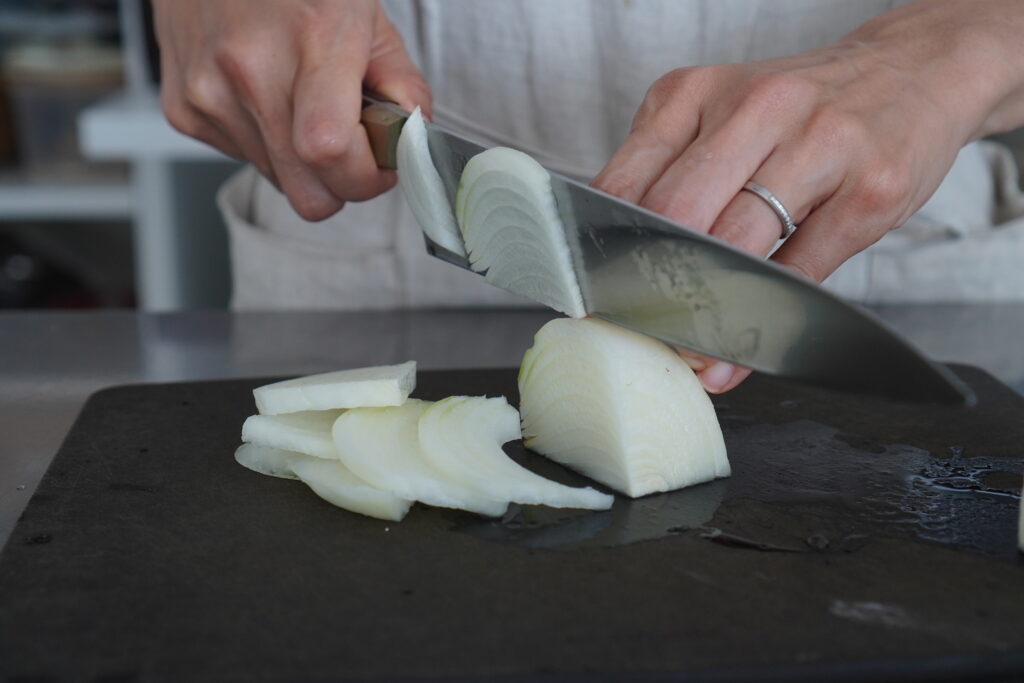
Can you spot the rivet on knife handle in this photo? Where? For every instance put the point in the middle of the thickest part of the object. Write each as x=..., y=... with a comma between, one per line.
x=382, y=128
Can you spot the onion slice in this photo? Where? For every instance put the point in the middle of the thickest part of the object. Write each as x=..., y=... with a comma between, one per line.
x=328, y=479
x=333, y=482
x=382, y=446
x=619, y=407
x=422, y=186
x=510, y=222
x=272, y=462
x=461, y=436
x=307, y=432
x=385, y=385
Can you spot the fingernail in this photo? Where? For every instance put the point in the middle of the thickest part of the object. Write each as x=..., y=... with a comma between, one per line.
x=696, y=364
x=716, y=376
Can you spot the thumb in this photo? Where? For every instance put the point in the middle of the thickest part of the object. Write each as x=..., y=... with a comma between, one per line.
x=391, y=73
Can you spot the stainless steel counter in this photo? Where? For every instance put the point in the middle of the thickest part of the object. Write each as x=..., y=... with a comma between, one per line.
x=51, y=362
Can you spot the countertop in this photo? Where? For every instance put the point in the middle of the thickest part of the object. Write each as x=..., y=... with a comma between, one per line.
x=52, y=362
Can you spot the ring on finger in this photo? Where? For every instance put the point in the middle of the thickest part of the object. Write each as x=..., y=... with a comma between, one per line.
x=788, y=227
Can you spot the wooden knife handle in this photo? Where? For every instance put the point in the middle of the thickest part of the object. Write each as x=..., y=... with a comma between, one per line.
x=383, y=121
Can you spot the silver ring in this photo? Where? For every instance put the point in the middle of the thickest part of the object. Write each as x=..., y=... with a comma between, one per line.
x=764, y=193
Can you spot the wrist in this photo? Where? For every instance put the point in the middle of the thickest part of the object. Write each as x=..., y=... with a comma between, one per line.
x=964, y=57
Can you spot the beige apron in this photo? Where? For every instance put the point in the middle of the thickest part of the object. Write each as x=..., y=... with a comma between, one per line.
x=561, y=81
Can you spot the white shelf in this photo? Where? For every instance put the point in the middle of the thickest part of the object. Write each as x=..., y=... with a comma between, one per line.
x=132, y=126
x=27, y=200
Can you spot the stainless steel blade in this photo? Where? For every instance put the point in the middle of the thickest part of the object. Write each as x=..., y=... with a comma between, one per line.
x=640, y=270
x=643, y=271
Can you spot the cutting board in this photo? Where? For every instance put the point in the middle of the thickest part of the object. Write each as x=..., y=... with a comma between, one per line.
x=857, y=538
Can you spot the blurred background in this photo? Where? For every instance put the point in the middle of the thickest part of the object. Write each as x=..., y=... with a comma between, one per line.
x=102, y=204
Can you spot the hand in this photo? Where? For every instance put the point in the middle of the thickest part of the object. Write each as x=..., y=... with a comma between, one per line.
x=279, y=82
x=852, y=138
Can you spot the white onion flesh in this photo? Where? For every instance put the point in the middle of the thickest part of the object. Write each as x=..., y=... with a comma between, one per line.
x=308, y=432
x=385, y=385
x=382, y=446
x=619, y=407
x=422, y=186
x=461, y=436
x=272, y=462
x=510, y=223
x=333, y=482
x=328, y=479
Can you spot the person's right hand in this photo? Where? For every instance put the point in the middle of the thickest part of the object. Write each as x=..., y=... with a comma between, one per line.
x=279, y=83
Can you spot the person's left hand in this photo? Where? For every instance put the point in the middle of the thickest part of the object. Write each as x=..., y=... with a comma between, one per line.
x=852, y=138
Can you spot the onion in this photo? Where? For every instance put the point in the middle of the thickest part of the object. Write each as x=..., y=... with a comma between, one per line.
x=307, y=432
x=461, y=437
x=330, y=480
x=385, y=385
x=510, y=222
x=422, y=186
x=619, y=407
x=272, y=462
x=382, y=446
x=327, y=478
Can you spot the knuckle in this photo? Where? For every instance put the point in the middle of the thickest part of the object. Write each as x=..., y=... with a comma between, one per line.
x=882, y=189
x=323, y=144
x=202, y=91
x=671, y=87
x=240, y=62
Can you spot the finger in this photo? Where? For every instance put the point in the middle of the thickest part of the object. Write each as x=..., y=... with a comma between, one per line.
x=641, y=159
x=832, y=233
x=212, y=98
x=271, y=109
x=326, y=133
x=800, y=176
x=392, y=74
x=721, y=376
x=715, y=375
x=711, y=171
x=193, y=123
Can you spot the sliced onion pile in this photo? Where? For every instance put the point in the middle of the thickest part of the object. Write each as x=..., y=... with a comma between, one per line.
x=377, y=460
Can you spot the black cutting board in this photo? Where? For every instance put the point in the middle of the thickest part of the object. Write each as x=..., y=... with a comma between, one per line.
x=856, y=539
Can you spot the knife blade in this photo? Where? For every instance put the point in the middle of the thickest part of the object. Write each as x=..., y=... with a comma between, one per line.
x=643, y=271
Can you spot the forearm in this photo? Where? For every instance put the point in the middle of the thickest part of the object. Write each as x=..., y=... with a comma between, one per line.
x=968, y=56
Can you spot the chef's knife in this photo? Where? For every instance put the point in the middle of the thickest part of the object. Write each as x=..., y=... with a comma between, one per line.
x=645, y=272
